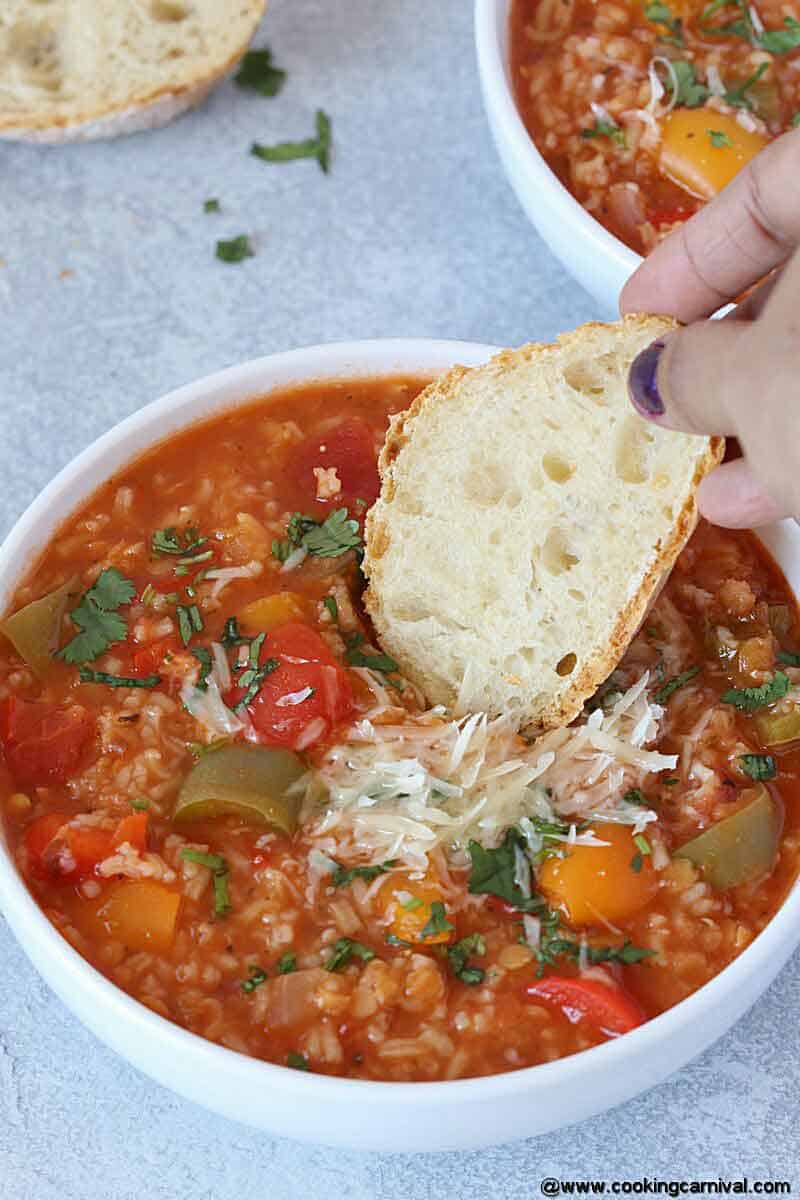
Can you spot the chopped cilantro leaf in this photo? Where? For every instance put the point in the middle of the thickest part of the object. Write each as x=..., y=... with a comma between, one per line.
x=298, y=1062
x=343, y=876
x=258, y=73
x=458, y=955
x=344, y=949
x=759, y=766
x=375, y=662
x=718, y=139
x=784, y=656
x=211, y=205
x=493, y=873
x=235, y=250
x=231, y=635
x=627, y=953
x=663, y=694
x=392, y=939
x=635, y=796
x=327, y=539
x=661, y=14
x=438, y=922
x=256, y=978
x=642, y=844
x=287, y=963
x=411, y=904
x=198, y=749
x=332, y=607
x=749, y=699
x=781, y=41
x=140, y=804
x=185, y=545
x=253, y=680
x=203, y=656
x=637, y=862
x=737, y=97
x=131, y=681
x=685, y=86
x=318, y=147
x=219, y=876
x=795, y=121
x=606, y=129
x=97, y=618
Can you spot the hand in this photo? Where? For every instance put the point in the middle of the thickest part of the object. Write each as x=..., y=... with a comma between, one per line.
x=740, y=376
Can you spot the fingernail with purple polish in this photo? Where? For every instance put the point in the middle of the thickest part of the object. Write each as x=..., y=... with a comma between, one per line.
x=643, y=381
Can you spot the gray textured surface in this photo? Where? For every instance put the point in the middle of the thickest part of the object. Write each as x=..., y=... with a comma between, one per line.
x=414, y=232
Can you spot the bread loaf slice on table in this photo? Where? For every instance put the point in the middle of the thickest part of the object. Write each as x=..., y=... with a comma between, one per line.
x=75, y=70
x=527, y=516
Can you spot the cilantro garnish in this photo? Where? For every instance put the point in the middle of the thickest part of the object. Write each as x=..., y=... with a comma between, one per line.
x=287, y=963
x=606, y=129
x=343, y=876
x=493, y=873
x=392, y=939
x=203, y=656
x=252, y=681
x=661, y=14
x=325, y=539
x=256, y=978
x=97, y=617
x=627, y=953
x=663, y=694
x=781, y=41
x=458, y=955
x=438, y=922
x=298, y=1062
x=758, y=766
x=231, y=636
x=131, y=681
x=257, y=73
x=219, y=876
x=688, y=92
x=375, y=662
x=718, y=139
x=737, y=97
x=643, y=850
x=332, y=607
x=190, y=622
x=344, y=949
x=411, y=904
x=774, y=41
x=185, y=544
x=749, y=699
x=140, y=804
x=795, y=121
x=211, y=205
x=235, y=250
x=318, y=147
x=552, y=832
x=635, y=796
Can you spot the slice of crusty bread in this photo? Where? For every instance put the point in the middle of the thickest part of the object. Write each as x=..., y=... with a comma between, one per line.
x=527, y=515
x=84, y=69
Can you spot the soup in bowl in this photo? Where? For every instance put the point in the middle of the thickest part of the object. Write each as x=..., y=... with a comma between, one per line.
x=244, y=849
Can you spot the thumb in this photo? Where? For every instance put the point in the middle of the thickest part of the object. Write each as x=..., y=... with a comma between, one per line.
x=711, y=378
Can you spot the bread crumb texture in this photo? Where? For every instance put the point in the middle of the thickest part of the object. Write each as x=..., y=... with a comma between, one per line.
x=527, y=516
x=65, y=63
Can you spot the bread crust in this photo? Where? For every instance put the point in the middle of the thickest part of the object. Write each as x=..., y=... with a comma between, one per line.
x=445, y=390
x=157, y=107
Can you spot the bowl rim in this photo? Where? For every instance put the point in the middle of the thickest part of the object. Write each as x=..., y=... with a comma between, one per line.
x=43, y=944
x=494, y=72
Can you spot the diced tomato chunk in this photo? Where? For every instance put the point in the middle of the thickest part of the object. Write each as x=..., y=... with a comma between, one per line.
x=350, y=448
x=64, y=852
x=44, y=743
x=308, y=694
x=605, y=1005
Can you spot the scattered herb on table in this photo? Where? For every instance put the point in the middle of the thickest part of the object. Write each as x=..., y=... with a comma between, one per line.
x=235, y=250
x=318, y=147
x=211, y=206
x=258, y=73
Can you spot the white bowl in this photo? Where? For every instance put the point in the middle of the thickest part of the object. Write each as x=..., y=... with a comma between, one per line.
x=353, y=1113
x=597, y=259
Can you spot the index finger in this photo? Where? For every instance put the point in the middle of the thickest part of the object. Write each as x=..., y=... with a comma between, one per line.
x=747, y=230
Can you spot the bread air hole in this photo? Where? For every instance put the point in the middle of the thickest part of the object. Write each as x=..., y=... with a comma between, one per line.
x=557, y=468
x=566, y=665
x=576, y=595
x=556, y=555
x=588, y=378
x=34, y=44
x=630, y=457
x=169, y=11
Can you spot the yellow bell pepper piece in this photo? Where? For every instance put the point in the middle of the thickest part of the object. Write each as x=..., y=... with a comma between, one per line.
x=702, y=150
x=268, y=612
x=409, y=905
x=592, y=884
